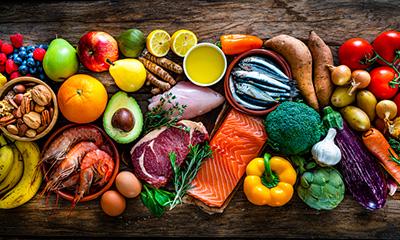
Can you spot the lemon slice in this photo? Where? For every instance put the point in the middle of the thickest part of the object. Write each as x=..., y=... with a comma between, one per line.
x=158, y=43
x=182, y=41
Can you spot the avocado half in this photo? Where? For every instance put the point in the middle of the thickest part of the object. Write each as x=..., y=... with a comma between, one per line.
x=118, y=101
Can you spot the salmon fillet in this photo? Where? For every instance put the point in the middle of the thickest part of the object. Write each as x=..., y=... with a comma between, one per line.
x=239, y=139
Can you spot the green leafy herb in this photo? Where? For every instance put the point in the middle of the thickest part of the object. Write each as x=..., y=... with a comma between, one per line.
x=184, y=177
x=395, y=145
x=156, y=200
x=148, y=197
x=159, y=117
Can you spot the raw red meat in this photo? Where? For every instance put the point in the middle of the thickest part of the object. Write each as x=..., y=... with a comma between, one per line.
x=150, y=155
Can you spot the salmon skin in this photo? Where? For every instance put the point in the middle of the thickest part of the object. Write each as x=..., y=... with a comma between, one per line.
x=239, y=139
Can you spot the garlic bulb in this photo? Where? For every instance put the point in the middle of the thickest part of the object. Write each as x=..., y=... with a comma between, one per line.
x=325, y=152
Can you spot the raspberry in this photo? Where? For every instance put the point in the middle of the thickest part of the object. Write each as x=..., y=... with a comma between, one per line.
x=3, y=58
x=15, y=75
x=7, y=48
x=11, y=66
x=17, y=40
x=38, y=54
x=2, y=68
x=1, y=43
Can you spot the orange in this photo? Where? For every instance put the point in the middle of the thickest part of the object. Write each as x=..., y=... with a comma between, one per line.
x=82, y=98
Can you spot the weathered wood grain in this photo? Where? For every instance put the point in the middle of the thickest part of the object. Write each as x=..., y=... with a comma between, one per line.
x=334, y=21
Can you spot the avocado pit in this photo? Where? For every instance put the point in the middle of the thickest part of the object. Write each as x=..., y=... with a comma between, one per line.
x=123, y=119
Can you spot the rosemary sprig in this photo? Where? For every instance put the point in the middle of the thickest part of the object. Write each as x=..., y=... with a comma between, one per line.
x=183, y=177
x=161, y=116
x=156, y=200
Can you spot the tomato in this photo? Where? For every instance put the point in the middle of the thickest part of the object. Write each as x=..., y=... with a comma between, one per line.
x=354, y=51
x=386, y=44
x=380, y=79
x=397, y=101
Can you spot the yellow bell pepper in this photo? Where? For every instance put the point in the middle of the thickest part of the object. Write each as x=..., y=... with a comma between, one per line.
x=269, y=181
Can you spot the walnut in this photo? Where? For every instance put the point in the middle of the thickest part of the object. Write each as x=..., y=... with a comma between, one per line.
x=33, y=120
x=41, y=95
x=5, y=108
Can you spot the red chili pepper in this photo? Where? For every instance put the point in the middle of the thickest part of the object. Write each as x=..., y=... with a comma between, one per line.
x=233, y=44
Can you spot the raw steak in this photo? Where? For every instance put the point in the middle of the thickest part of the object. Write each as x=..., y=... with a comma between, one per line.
x=150, y=155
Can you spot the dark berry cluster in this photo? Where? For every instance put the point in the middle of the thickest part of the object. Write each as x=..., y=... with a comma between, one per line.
x=19, y=60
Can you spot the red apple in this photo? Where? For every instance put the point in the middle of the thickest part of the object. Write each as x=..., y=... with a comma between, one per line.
x=94, y=48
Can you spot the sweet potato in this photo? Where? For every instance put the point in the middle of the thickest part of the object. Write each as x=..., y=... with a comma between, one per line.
x=299, y=58
x=321, y=56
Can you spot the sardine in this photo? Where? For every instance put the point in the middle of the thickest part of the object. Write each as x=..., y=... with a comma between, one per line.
x=260, y=78
x=251, y=67
x=264, y=63
x=254, y=101
x=254, y=92
x=241, y=101
x=261, y=86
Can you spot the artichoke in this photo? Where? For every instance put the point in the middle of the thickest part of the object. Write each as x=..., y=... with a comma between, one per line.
x=322, y=188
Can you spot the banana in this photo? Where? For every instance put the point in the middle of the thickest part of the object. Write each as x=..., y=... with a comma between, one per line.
x=15, y=173
x=3, y=141
x=6, y=161
x=31, y=180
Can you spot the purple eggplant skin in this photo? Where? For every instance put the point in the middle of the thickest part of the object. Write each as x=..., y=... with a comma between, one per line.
x=360, y=170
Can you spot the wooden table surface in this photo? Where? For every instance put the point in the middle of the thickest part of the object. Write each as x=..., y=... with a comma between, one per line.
x=334, y=21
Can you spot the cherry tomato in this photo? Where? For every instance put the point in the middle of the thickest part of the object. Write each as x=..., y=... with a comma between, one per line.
x=386, y=44
x=354, y=51
x=397, y=101
x=380, y=79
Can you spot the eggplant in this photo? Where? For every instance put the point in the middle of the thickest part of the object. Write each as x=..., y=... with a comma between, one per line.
x=361, y=172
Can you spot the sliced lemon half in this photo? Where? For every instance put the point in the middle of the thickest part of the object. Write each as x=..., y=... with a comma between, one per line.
x=182, y=41
x=158, y=43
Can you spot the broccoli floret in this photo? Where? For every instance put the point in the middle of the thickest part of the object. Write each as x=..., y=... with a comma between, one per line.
x=293, y=128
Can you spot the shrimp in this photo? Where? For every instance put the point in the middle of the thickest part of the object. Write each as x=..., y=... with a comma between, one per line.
x=59, y=147
x=96, y=168
x=69, y=182
x=69, y=165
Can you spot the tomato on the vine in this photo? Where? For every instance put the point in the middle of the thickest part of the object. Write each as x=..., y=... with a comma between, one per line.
x=380, y=82
x=386, y=44
x=354, y=52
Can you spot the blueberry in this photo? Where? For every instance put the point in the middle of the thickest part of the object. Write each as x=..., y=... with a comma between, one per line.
x=30, y=62
x=22, y=49
x=41, y=76
x=30, y=55
x=13, y=56
x=38, y=63
x=15, y=50
x=18, y=60
x=30, y=48
x=23, y=69
x=22, y=54
x=23, y=62
x=32, y=70
x=40, y=69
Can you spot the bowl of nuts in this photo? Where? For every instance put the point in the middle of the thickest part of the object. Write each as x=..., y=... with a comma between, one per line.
x=28, y=109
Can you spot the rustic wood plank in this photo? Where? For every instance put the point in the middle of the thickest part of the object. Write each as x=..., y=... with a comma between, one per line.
x=334, y=21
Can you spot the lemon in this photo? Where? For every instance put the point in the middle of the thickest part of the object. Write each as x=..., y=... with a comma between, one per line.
x=3, y=80
x=158, y=43
x=182, y=41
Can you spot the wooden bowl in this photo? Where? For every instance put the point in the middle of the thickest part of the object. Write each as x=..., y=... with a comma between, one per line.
x=260, y=52
x=68, y=195
x=8, y=86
